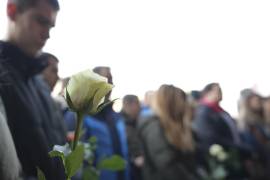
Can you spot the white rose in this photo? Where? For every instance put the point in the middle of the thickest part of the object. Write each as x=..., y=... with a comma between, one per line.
x=86, y=92
x=215, y=149
x=221, y=156
x=218, y=152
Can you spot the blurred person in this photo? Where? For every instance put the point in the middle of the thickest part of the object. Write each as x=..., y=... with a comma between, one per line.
x=251, y=114
x=29, y=25
x=250, y=108
x=169, y=148
x=253, y=132
x=194, y=100
x=45, y=82
x=266, y=115
x=130, y=113
x=213, y=125
x=109, y=129
x=50, y=73
x=146, y=108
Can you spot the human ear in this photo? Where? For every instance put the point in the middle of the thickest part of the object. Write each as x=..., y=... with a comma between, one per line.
x=11, y=11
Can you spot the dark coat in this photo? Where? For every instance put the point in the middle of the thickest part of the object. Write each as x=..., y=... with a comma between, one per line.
x=55, y=122
x=211, y=128
x=162, y=160
x=25, y=111
x=134, y=143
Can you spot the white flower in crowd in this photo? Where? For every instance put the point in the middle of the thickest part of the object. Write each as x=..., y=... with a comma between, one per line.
x=86, y=92
x=215, y=149
x=218, y=152
x=222, y=156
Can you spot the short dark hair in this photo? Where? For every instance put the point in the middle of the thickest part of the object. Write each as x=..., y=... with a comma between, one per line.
x=130, y=98
x=98, y=69
x=45, y=56
x=209, y=87
x=26, y=4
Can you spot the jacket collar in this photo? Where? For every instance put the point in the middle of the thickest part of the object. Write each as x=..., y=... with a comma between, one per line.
x=212, y=105
x=28, y=66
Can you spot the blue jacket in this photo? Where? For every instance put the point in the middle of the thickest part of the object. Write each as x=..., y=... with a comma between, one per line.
x=109, y=129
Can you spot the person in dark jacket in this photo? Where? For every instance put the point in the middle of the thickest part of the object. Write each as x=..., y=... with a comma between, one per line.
x=29, y=25
x=45, y=84
x=253, y=132
x=167, y=138
x=213, y=125
x=130, y=113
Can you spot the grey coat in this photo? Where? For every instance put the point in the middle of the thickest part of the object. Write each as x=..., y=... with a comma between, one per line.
x=10, y=167
x=162, y=160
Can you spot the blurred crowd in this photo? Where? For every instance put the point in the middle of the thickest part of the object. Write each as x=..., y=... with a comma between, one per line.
x=169, y=135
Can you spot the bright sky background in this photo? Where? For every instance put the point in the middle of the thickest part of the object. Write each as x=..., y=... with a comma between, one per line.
x=151, y=42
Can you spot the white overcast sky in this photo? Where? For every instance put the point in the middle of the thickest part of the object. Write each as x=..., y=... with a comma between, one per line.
x=151, y=42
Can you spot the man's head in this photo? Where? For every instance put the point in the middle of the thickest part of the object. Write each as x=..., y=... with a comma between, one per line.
x=50, y=73
x=212, y=92
x=131, y=106
x=30, y=22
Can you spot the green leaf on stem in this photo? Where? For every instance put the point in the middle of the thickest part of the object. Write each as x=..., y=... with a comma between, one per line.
x=74, y=160
x=114, y=163
x=103, y=105
x=92, y=140
x=40, y=174
x=90, y=173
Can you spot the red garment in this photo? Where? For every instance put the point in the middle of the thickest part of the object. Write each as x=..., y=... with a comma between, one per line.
x=213, y=105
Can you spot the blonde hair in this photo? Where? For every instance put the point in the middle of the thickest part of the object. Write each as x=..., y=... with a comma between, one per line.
x=175, y=116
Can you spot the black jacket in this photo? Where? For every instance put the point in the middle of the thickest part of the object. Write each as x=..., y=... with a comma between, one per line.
x=25, y=111
x=55, y=121
x=134, y=143
x=211, y=127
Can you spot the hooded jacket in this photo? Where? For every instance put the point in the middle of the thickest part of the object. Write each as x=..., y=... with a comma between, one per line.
x=25, y=111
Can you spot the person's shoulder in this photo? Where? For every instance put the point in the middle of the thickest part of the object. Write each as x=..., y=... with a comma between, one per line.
x=3, y=44
x=151, y=122
x=202, y=109
x=5, y=51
